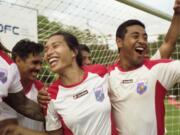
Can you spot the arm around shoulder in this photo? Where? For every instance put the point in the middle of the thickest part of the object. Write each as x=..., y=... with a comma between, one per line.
x=25, y=106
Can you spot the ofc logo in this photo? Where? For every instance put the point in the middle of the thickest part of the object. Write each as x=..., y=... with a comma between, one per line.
x=9, y=28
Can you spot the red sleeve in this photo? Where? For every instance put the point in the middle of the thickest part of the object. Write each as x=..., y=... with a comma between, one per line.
x=38, y=84
x=97, y=68
x=113, y=126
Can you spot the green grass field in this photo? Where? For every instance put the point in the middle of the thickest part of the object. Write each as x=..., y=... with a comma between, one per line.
x=172, y=119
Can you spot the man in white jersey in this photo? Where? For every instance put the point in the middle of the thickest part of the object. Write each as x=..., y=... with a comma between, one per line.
x=28, y=57
x=138, y=85
x=11, y=86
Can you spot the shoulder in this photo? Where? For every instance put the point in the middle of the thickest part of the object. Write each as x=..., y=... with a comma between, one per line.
x=151, y=63
x=112, y=67
x=6, y=58
x=97, y=69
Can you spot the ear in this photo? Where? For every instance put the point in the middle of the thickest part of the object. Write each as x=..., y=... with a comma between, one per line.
x=74, y=53
x=18, y=60
x=119, y=42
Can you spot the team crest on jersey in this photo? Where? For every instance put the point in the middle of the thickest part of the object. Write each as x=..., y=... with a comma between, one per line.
x=99, y=94
x=3, y=75
x=141, y=87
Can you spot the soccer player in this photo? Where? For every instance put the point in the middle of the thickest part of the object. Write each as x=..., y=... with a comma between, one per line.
x=138, y=85
x=28, y=57
x=77, y=102
x=11, y=87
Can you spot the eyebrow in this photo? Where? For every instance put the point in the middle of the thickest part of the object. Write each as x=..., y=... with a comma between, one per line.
x=137, y=33
x=52, y=43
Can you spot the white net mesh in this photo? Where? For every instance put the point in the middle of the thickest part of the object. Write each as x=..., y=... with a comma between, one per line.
x=94, y=22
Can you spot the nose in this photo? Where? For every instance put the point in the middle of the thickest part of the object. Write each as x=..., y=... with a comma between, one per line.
x=143, y=41
x=87, y=61
x=49, y=51
x=39, y=66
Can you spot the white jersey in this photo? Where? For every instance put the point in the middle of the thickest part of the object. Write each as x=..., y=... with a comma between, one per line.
x=6, y=112
x=9, y=76
x=137, y=96
x=83, y=108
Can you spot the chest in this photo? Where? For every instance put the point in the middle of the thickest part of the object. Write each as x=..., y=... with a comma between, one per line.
x=140, y=83
x=32, y=93
x=83, y=103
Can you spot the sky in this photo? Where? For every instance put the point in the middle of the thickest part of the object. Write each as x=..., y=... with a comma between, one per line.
x=163, y=5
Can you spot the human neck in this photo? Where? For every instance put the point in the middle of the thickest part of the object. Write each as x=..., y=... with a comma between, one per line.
x=72, y=75
x=26, y=83
x=126, y=65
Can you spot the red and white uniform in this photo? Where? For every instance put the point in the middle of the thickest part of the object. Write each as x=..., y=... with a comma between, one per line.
x=6, y=112
x=9, y=76
x=83, y=108
x=137, y=96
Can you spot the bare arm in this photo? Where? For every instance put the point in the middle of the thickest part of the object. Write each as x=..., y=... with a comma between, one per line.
x=168, y=46
x=25, y=106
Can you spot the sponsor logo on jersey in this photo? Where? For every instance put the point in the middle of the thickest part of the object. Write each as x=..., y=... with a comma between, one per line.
x=127, y=81
x=141, y=87
x=3, y=75
x=99, y=94
x=80, y=94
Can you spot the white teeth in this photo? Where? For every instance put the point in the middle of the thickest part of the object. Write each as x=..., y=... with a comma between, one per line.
x=53, y=61
x=140, y=48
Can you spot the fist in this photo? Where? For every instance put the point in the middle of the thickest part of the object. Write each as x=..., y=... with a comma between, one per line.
x=177, y=7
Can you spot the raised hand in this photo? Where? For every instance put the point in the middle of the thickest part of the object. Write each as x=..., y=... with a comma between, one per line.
x=43, y=97
x=177, y=7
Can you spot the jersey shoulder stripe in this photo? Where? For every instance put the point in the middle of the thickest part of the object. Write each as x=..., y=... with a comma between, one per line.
x=151, y=63
x=97, y=69
x=6, y=57
x=112, y=67
x=53, y=89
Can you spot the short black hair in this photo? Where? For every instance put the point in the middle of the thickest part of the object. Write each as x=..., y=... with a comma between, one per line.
x=122, y=29
x=25, y=47
x=72, y=43
x=84, y=47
